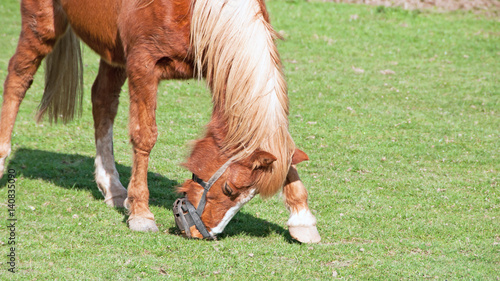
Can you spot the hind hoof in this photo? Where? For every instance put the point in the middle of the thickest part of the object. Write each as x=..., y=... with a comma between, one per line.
x=142, y=224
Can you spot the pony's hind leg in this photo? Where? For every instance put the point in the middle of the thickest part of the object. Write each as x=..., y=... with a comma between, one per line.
x=105, y=95
x=302, y=223
x=41, y=27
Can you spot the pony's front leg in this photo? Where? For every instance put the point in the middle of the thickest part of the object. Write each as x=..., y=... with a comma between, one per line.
x=143, y=133
x=302, y=223
x=105, y=94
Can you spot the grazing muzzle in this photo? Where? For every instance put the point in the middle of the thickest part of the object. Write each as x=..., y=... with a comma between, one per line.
x=186, y=215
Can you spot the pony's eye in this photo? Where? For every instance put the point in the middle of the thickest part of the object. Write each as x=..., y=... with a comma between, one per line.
x=227, y=190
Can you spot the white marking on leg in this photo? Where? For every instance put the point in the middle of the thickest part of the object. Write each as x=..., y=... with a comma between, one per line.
x=2, y=158
x=106, y=175
x=102, y=178
x=2, y=166
x=231, y=212
x=5, y=147
x=302, y=218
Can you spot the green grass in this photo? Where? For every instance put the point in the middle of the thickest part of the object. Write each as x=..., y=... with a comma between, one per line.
x=403, y=176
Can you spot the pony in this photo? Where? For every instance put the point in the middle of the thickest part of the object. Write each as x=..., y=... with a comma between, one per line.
x=229, y=43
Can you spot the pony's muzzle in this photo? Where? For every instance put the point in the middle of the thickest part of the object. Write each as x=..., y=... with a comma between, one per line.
x=188, y=221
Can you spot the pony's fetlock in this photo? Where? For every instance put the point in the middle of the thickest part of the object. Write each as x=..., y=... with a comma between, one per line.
x=3, y=157
x=302, y=227
x=2, y=166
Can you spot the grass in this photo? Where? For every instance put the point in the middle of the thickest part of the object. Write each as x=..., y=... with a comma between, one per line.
x=403, y=176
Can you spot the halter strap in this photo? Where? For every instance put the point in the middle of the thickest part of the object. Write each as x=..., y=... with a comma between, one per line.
x=208, y=185
x=196, y=213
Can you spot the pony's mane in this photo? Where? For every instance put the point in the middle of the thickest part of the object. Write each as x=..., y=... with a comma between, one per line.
x=234, y=49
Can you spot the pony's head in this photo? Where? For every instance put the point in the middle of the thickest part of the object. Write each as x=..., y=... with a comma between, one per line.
x=232, y=184
x=247, y=149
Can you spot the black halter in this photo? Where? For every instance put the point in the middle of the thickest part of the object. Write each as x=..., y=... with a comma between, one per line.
x=186, y=215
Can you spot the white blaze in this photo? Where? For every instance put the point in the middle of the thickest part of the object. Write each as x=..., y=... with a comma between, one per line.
x=231, y=212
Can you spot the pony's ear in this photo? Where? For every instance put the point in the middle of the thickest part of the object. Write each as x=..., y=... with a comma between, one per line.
x=262, y=159
x=299, y=156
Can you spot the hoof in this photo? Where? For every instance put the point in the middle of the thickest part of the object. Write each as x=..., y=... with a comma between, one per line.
x=142, y=224
x=305, y=234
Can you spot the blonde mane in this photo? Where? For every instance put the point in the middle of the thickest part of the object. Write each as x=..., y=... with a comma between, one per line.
x=235, y=50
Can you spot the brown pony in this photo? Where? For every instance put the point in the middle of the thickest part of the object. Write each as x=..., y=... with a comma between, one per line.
x=230, y=43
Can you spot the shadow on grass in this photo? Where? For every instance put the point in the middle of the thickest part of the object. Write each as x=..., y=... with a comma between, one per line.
x=75, y=171
x=246, y=224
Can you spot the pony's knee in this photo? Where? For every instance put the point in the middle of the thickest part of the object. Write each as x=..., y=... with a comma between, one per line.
x=144, y=139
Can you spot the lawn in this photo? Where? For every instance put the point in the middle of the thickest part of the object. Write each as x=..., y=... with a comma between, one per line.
x=399, y=112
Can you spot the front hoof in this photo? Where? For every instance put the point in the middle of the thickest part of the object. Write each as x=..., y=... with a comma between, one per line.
x=142, y=224
x=305, y=234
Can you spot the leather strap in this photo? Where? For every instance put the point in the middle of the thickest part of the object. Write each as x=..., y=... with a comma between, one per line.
x=196, y=213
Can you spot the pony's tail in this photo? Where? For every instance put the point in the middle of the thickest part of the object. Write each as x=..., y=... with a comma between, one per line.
x=63, y=80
